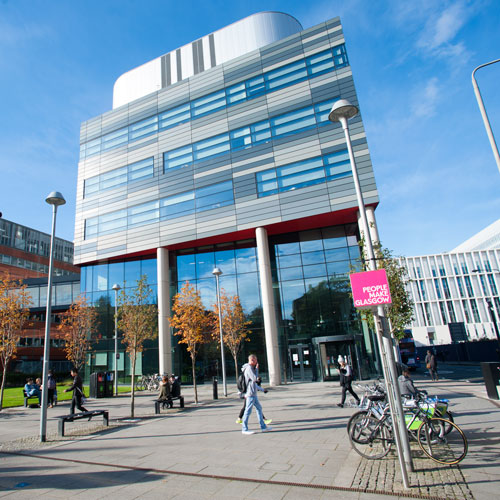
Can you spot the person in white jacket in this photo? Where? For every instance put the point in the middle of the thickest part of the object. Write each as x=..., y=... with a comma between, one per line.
x=250, y=373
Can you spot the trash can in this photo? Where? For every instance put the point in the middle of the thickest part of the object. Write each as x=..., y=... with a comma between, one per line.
x=109, y=384
x=491, y=375
x=97, y=385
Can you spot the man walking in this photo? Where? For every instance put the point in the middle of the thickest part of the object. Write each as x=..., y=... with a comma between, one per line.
x=77, y=389
x=250, y=374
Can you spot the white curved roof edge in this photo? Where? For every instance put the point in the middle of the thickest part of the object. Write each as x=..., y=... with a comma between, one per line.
x=234, y=40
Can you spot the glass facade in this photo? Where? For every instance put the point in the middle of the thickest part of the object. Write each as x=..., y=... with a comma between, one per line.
x=310, y=271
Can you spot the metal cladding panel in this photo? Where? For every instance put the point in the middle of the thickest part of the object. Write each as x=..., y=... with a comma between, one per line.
x=239, y=38
x=247, y=209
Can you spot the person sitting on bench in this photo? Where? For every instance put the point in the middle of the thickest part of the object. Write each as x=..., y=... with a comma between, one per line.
x=164, y=396
x=77, y=389
x=175, y=387
x=33, y=389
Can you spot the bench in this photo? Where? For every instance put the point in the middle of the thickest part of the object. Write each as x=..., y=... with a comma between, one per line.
x=77, y=416
x=27, y=398
x=158, y=403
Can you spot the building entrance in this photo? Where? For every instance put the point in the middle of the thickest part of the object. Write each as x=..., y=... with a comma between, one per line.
x=330, y=348
x=301, y=362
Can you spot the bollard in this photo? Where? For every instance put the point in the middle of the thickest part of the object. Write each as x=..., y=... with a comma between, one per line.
x=215, y=388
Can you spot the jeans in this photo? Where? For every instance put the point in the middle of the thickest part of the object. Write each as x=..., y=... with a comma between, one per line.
x=251, y=402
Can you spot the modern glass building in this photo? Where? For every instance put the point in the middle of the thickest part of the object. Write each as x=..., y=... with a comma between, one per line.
x=456, y=293
x=220, y=153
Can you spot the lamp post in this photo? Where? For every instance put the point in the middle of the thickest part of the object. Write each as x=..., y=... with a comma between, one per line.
x=486, y=120
x=342, y=111
x=217, y=272
x=116, y=287
x=55, y=199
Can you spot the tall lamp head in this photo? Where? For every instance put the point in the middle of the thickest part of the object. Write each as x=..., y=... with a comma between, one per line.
x=55, y=198
x=342, y=110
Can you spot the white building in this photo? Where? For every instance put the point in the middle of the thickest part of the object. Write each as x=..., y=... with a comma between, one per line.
x=456, y=293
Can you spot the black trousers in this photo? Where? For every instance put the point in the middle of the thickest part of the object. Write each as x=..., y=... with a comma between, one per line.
x=347, y=387
x=77, y=401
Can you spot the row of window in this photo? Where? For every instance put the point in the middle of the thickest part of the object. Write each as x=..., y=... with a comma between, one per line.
x=34, y=266
x=136, y=171
x=422, y=293
x=270, y=81
x=248, y=136
x=32, y=241
x=303, y=173
x=189, y=202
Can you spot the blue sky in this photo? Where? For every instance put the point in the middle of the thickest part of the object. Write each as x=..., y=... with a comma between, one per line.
x=412, y=64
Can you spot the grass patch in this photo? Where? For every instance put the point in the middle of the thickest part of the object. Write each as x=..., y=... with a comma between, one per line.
x=13, y=396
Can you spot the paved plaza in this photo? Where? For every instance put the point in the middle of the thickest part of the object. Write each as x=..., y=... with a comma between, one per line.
x=199, y=452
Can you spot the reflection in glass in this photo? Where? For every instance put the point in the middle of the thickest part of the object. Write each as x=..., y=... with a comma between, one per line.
x=148, y=268
x=205, y=264
x=289, y=260
x=132, y=272
x=246, y=260
x=186, y=268
x=116, y=273
x=225, y=261
x=206, y=287
x=248, y=291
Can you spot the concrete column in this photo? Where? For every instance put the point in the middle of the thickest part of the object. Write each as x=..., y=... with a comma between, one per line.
x=268, y=307
x=164, y=334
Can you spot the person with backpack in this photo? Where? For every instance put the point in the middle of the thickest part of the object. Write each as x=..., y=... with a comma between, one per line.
x=250, y=378
x=51, y=388
x=242, y=389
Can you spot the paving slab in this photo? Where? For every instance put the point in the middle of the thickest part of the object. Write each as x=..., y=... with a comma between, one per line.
x=199, y=452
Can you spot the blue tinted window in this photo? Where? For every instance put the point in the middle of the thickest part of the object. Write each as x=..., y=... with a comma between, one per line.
x=132, y=272
x=225, y=260
x=337, y=254
x=246, y=260
x=301, y=174
x=186, y=267
x=291, y=273
x=314, y=270
x=116, y=273
x=205, y=263
x=339, y=267
x=148, y=268
x=313, y=257
x=289, y=260
x=174, y=116
x=287, y=248
x=119, y=176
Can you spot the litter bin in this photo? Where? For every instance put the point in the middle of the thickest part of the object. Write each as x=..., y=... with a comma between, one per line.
x=491, y=375
x=97, y=385
x=109, y=384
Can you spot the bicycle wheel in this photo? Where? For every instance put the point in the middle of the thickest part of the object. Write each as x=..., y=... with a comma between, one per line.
x=448, y=449
x=371, y=438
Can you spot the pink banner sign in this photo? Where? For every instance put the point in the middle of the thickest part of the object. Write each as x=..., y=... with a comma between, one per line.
x=370, y=289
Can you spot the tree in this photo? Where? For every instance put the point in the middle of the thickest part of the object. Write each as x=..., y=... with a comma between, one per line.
x=400, y=312
x=138, y=320
x=192, y=323
x=14, y=303
x=234, y=325
x=79, y=324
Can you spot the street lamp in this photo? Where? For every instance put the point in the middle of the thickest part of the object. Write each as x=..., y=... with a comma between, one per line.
x=217, y=272
x=55, y=199
x=342, y=111
x=486, y=121
x=116, y=287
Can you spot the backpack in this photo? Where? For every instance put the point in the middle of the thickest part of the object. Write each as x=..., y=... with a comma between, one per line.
x=51, y=383
x=242, y=383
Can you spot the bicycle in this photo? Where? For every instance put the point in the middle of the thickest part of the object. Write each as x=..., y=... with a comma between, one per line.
x=371, y=435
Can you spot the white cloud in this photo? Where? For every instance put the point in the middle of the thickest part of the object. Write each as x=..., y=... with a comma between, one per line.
x=426, y=99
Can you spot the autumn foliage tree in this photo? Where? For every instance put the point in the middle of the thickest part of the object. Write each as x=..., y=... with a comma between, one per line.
x=192, y=323
x=234, y=325
x=14, y=303
x=138, y=321
x=79, y=324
